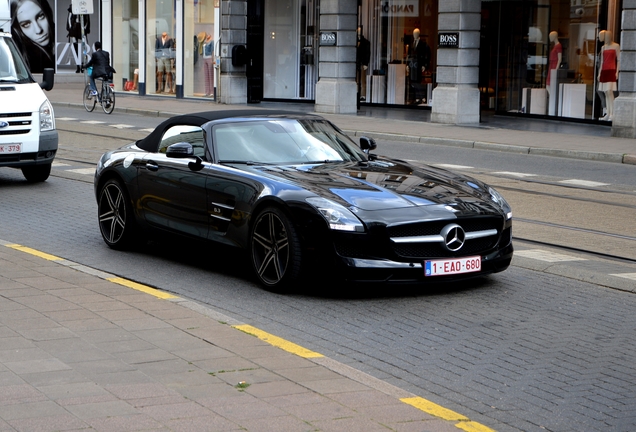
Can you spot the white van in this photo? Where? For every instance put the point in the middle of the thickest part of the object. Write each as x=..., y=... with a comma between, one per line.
x=28, y=138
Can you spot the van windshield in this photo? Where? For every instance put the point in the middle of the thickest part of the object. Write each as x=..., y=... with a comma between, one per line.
x=12, y=67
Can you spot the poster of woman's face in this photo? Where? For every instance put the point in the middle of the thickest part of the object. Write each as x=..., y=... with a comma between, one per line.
x=33, y=27
x=33, y=30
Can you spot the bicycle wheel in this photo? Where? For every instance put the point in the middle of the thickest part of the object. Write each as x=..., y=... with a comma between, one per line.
x=108, y=98
x=89, y=101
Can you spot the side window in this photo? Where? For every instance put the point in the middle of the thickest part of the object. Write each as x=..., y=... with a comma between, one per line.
x=184, y=133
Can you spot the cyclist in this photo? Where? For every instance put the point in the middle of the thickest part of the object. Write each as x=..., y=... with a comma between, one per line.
x=100, y=61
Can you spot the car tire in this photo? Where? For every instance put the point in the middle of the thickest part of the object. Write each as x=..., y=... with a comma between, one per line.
x=275, y=252
x=36, y=173
x=116, y=219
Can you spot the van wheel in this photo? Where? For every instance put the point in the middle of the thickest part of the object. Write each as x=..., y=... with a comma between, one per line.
x=37, y=173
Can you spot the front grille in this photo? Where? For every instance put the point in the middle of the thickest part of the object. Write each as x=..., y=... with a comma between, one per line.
x=436, y=250
x=435, y=227
x=476, y=246
x=15, y=132
x=19, y=123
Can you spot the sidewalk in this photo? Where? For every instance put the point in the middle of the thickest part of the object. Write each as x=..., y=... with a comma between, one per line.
x=84, y=350
x=388, y=124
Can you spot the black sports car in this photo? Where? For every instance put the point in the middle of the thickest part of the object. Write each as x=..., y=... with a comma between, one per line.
x=300, y=197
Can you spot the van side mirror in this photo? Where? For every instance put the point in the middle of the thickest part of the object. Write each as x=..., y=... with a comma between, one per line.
x=48, y=78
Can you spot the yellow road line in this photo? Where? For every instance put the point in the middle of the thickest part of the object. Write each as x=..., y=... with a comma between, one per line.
x=34, y=252
x=143, y=288
x=471, y=426
x=444, y=413
x=278, y=342
x=434, y=409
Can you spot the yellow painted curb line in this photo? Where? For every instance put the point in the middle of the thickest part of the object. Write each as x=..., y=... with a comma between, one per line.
x=444, y=413
x=471, y=426
x=278, y=342
x=434, y=409
x=143, y=288
x=120, y=281
x=34, y=252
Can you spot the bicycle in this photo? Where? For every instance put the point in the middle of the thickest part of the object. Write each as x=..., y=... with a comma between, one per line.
x=105, y=97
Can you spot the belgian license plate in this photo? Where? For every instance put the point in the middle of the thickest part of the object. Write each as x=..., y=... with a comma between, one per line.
x=452, y=266
x=10, y=148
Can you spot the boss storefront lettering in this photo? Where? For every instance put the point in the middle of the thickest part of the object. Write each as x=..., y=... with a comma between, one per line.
x=328, y=38
x=448, y=40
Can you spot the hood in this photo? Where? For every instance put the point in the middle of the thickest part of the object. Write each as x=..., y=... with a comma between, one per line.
x=385, y=184
x=25, y=97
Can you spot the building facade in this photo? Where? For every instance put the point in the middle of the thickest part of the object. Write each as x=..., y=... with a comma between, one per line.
x=552, y=59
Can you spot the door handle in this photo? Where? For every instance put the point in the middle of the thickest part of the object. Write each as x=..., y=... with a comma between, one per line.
x=152, y=166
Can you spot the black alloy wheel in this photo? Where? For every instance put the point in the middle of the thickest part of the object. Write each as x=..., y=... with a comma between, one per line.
x=116, y=219
x=275, y=250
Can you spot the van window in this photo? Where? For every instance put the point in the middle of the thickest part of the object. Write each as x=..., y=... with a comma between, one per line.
x=12, y=67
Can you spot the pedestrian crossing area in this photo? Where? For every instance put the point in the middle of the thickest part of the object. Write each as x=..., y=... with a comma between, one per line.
x=104, y=123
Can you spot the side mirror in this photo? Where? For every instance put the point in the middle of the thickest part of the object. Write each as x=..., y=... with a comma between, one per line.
x=48, y=79
x=367, y=144
x=180, y=150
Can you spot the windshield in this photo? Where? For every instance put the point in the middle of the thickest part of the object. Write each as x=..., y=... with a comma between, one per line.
x=283, y=141
x=12, y=67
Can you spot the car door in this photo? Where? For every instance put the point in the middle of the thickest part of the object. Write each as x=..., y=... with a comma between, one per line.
x=173, y=190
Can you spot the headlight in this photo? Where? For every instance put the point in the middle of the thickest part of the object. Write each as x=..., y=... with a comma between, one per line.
x=47, y=119
x=497, y=198
x=338, y=217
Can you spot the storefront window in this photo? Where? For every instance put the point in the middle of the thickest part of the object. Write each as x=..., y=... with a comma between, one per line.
x=160, y=47
x=396, y=57
x=200, y=49
x=125, y=56
x=546, y=57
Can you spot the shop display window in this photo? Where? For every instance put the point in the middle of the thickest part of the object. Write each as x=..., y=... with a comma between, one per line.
x=396, y=52
x=550, y=57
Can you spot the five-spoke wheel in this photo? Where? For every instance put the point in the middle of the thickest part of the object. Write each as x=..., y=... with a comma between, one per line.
x=275, y=250
x=116, y=221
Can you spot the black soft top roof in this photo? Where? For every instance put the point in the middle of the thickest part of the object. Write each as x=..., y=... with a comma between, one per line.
x=151, y=142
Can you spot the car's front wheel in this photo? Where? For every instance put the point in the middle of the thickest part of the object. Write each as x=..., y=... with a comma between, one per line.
x=275, y=250
x=36, y=173
x=116, y=219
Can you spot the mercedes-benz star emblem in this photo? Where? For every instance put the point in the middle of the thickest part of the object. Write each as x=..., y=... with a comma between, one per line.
x=454, y=237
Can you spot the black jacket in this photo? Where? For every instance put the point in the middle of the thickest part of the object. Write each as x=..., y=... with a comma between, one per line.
x=100, y=60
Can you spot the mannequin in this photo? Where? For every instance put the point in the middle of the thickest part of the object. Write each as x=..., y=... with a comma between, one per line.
x=163, y=46
x=556, y=56
x=419, y=61
x=609, y=65
x=208, y=64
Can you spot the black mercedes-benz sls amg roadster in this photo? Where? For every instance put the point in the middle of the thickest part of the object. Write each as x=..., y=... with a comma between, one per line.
x=301, y=198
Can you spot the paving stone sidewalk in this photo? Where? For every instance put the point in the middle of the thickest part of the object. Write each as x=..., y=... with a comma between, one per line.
x=79, y=352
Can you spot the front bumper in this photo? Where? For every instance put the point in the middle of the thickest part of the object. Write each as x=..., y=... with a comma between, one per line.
x=373, y=270
x=47, y=150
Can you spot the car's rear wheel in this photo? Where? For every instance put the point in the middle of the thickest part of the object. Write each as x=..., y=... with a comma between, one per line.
x=275, y=250
x=36, y=173
x=116, y=219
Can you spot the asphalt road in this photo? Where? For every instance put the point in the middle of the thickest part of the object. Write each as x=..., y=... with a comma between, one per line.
x=520, y=350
